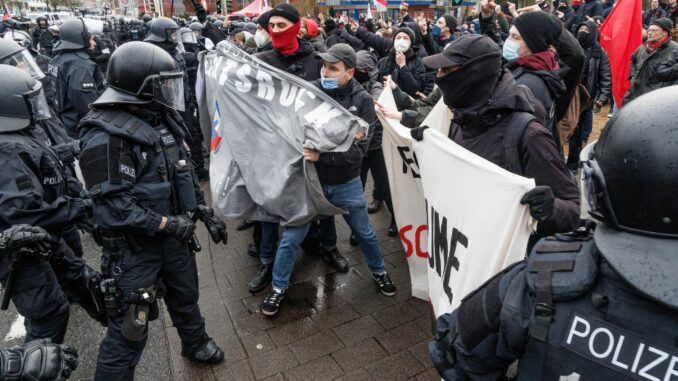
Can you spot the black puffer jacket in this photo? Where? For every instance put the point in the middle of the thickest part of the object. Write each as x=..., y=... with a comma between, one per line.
x=302, y=63
x=339, y=167
x=411, y=77
x=481, y=130
x=651, y=71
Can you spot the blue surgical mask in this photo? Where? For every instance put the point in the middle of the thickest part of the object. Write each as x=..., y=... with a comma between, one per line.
x=510, y=51
x=329, y=83
x=435, y=31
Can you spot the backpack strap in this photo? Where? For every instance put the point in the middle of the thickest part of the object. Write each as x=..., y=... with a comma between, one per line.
x=513, y=137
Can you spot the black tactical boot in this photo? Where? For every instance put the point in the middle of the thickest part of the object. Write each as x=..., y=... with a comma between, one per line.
x=374, y=206
x=208, y=353
x=262, y=279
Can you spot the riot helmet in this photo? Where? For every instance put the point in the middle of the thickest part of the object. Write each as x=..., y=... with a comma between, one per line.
x=73, y=35
x=196, y=27
x=23, y=101
x=42, y=22
x=163, y=29
x=187, y=37
x=141, y=73
x=146, y=18
x=14, y=54
x=219, y=24
x=632, y=175
x=20, y=37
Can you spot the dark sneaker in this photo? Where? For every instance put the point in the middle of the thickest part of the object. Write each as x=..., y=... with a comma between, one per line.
x=262, y=279
x=245, y=224
x=252, y=250
x=208, y=353
x=374, y=206
x=393, y=230
x=271, y=304
x=353, y=240
x=203, y=174
x=335, y=260
x=385, y=283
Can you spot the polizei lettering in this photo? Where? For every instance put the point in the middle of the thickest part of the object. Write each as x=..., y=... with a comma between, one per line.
x=442, y=258
x=620, y=350
x=242, y=73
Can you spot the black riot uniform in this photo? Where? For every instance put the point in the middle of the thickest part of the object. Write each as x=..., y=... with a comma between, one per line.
x=34, y=192
x=582, y=306
x=38, y=359
x=42, y=37
x=78, y=79
x=49, y=131
x=165, y=33
x=138, y=171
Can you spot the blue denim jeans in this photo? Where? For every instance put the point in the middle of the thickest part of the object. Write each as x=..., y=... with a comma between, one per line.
x=348, y=196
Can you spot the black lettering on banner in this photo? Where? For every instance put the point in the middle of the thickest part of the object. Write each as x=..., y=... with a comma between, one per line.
x=620, y=350
x=407, y=161
x=442, y=257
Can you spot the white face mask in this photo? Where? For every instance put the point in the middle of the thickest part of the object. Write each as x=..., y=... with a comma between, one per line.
x=401, y=45
x=260, y=38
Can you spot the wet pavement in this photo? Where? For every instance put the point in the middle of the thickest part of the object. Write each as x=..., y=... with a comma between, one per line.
x=331, y=326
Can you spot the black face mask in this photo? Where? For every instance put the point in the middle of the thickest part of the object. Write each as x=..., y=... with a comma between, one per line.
x=473, y=83
x=361, y=77
x=585, y=39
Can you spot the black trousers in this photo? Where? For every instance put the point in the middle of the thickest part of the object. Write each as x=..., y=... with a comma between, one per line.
x=374, y=163
x=158, y=258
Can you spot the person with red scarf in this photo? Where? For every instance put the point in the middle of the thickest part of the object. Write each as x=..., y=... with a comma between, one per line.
x=655, y=63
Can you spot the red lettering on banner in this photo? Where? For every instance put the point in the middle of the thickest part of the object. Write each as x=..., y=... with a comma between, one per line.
x=411, y=247
x=420, y=253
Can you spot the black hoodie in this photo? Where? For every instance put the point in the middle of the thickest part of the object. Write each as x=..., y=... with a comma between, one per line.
x=481, y=130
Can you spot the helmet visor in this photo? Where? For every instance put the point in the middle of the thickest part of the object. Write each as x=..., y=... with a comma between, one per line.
x=24, y=61
x=172, y=35
x=37, y=103
x=168, y=90
x=17, y=37
x=197, y=34
x=188, y=38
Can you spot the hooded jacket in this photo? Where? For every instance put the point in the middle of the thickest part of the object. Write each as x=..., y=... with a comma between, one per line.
x=597, y=77
x=481, y=130
x=368, y=62
x=339, y=167
x=546, y=86
x=302, y=63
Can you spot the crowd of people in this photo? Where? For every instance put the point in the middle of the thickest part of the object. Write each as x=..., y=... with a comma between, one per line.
x=523, y=85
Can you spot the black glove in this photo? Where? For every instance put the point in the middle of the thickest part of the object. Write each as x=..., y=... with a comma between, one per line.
x=88, y=207
x=68, y=152
x=200, y=12
x=418, y=133
x=541, y=200
x=27, y=238
x=215, y=225
x=180, y=227
x=41, y=360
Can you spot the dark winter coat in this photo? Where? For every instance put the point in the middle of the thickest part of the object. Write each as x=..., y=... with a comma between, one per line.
x=651, y=71
x=339, y=167
x=411, y=77
x=302, y=63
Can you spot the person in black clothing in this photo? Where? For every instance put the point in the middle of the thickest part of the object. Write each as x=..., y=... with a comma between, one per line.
x=404, y=65
x=488, y=105
x=598, y=82
x=42, y=38
x=655, y=12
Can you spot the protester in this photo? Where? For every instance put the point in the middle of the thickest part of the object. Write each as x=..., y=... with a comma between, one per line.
x=442, y=34
x=597, y=80
x=310, y=32
x=653, y=14
x=489, y=106
x=548, y=312
x=339, y=175
x=404, y=65
x=655, y=63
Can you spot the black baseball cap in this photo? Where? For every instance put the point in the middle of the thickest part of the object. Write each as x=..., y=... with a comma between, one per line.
x=340, y=52
x=461, y=50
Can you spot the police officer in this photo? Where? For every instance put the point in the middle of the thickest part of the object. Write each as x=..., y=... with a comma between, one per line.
x=136, y=31
x=78, y=79
x=138, y=172
x=34, y=192
x=38, y=359
x=42, y=38
x=50, y=132
x=600, y=307
x=165, y=34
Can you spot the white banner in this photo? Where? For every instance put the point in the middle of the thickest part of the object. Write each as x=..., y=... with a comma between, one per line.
x=476, y=223
x=406, y=191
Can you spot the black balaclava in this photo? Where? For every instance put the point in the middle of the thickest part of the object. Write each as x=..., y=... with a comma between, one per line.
x=473, y=83
x=587, y=40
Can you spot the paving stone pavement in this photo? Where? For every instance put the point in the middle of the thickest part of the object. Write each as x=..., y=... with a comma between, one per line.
x=332, y=325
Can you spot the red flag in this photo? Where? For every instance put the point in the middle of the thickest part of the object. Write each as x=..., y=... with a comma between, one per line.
x=620, y=35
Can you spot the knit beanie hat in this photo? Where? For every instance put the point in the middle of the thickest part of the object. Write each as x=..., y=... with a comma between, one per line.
x=538, y=30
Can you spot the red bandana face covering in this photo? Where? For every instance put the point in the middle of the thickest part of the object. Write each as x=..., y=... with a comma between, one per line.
x=285, y=42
